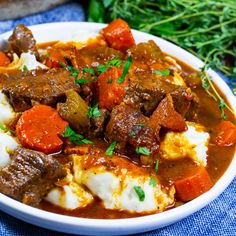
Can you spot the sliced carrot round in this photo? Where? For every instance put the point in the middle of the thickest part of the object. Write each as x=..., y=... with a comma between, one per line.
x=39, y=128
x=193, y=186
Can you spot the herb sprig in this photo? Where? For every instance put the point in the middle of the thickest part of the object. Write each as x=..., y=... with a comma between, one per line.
x=209, y=87
x=127, y=65
x=205, y=28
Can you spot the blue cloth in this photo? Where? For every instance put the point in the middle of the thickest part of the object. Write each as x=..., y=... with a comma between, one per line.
x=218, y=218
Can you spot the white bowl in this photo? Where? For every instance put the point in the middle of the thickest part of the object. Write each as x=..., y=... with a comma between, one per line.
x=74, y=225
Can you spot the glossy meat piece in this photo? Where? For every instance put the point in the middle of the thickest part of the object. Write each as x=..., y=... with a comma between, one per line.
x=147, y=53
x=146, y=91
x=129, y=127
x=22, y=40
x=98, y=124
x=166, y=116
x=93, y=55
x=30, y=176
x=45, y=87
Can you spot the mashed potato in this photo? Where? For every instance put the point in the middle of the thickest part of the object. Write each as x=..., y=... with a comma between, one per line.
x=192, y=143
x=7, y=146
x=114, y=180
x=69, y=195
x=6, y=111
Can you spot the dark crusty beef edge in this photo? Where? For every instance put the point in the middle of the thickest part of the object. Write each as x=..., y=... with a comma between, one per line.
x=45, y=87
x=22, y=40
x=30, y=176
x=130, y=128
x=146, y=91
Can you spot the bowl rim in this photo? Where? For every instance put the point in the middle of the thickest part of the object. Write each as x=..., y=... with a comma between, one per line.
x=139, y=223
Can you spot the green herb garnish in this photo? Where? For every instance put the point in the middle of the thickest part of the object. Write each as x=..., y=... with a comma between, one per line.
x=94, y=111
x=162, y=72
x=132, y=133
x=89, y=70
x=156, y=165
x=209, y=87
x=101, y=68
x=143, y=151
x=74, y=137
x=205, y=28
x=114, y=62
x=80, y=81
x=152, y=182
x=25, y=68
x=74, y=72
x=140, y=193
x=4, y=128
x=127, y=65
x=110, y=149
x=141, y=125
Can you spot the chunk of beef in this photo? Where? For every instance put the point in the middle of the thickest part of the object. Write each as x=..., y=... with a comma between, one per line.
x=30, y=176
x=93, y=55
x=22, y=40
x=129, y=127
x=146, y=91
x=98, y=124
x=148, y=52
x=45, y=87
x=166, y=116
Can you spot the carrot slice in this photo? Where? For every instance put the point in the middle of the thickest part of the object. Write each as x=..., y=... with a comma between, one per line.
x=193, y=186
x=118, y=35
x=4, y=60
x=39, y=129
x=226, y=134
x=110, y=92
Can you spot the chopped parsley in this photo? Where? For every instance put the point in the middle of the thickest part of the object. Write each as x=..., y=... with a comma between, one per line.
x=94, y=111
x=74, y=72
x=152, y=182
x=62, y=64
x=162, y=72
x=110, y=149
x=132, y=133
x=80, y=81
x=114, y=62
x=4, y=128
x=101, y=68
x=141, y=125
x=47, y=55
x=127, y=65
x=25, y=68
x=156, y=165
x=89, y=70
x=140, y=193
x=74, y=137
x=143, y=151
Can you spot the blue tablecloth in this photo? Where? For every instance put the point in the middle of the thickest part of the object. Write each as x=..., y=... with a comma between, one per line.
x=218, y=218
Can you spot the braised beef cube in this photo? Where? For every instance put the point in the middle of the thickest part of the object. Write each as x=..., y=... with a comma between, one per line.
x=98, y=124
x=30, y=176
x=45, y=87
x=129, y=127
x=22, y=40
x=93, y=55
x=146, y=91
x=147, y=53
